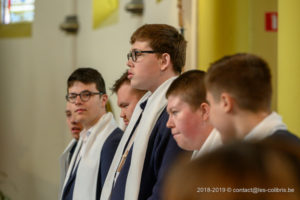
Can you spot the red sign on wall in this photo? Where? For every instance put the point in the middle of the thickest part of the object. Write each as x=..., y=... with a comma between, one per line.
x=271, y=21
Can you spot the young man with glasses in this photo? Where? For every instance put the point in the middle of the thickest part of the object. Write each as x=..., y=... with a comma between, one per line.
x=98, y=140
x=147, y=148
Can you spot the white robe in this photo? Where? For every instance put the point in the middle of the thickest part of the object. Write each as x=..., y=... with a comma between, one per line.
x=266, y=127
x=87, y=172
x=155, y=105
x=212, y=142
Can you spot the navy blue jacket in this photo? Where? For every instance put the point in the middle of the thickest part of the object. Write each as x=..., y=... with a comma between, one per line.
x=285, y=134
x=161, y=151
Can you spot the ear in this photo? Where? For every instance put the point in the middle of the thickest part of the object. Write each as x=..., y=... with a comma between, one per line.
x=204, y=108
x=104, y=99
x=165, y=61
x=227, y=102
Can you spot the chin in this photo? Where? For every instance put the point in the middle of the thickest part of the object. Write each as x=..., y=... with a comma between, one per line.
x=184, y=147
x=75, y=136
x=137, y=85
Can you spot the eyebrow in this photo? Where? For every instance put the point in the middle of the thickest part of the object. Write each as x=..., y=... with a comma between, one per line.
x=80, y=92
x=123, y=104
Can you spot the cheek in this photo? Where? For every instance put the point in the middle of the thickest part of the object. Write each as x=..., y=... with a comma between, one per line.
x=182, y=124
x=190, y=125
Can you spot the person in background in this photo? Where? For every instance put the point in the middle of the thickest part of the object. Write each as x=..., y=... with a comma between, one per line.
x=98, y=140
x=75, y=129
x=239, y=93
x=127, y=96
x=267, y=169
x=189, y=114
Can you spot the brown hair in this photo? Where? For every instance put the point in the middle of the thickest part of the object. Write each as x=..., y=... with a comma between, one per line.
x=245, y=76
x=190, y=87
x=124, y=80
x=163, y=39
x=120, y=81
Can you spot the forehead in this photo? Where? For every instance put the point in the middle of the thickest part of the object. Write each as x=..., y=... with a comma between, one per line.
x=125, y=87
x=78, y=87
x=175, y=100
x=125, y=92
x=140, y=45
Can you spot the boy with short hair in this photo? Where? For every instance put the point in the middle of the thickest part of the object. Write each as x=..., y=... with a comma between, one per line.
x=239, y=94
x=189, y=114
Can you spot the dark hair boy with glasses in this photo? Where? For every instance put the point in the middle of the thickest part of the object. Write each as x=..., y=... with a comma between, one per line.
x=98, y=140
x=147, y=148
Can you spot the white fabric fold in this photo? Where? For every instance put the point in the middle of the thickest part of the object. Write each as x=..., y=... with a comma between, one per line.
x=155, y=105
x=87, y=172
x=212, y=142
x=266, y=127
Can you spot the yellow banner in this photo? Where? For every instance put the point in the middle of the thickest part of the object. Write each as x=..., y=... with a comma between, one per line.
x=103, y=9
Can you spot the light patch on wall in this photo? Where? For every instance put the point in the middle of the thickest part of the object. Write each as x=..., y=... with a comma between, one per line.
x=102, y=9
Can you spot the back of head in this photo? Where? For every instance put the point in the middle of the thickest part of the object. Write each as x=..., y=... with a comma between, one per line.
x=87, y=76
x=245, y=77
x=251, y=171
x=189, y=86
x=163, y=39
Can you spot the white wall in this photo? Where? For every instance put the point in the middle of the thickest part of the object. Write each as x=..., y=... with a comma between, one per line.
x=33, y=73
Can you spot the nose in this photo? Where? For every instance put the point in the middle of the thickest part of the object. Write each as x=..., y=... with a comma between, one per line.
x=129, y=63
x=170, y=123
x=74, y=122
x=78, y=100
x=122, y=114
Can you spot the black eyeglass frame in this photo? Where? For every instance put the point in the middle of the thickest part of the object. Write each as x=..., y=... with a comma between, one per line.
x=133, y=53
x=90, y=94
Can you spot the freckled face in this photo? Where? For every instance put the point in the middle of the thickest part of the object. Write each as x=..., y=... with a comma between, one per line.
x=185, y=123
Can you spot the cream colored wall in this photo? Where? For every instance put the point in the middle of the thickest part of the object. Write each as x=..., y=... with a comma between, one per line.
x=33, y=75
x=33, y=132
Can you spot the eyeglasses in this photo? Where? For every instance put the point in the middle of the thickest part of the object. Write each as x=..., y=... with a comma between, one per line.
x=134, y=54
x=84, y=96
